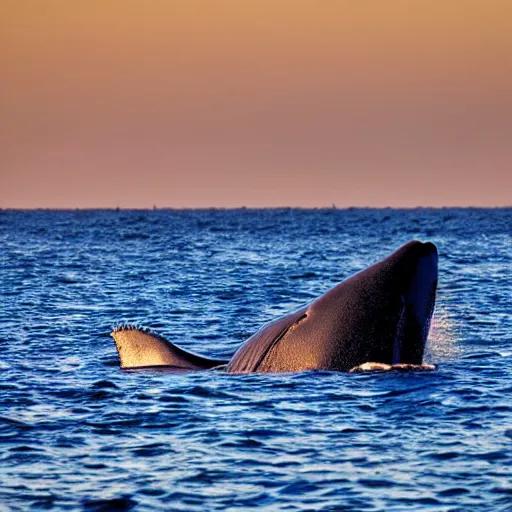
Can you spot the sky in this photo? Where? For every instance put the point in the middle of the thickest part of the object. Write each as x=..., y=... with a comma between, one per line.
x=230, y=103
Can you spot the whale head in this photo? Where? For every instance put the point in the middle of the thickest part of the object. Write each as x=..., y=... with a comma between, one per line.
x=381, y=314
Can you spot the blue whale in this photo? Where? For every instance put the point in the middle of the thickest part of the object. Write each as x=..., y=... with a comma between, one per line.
x=380, y=315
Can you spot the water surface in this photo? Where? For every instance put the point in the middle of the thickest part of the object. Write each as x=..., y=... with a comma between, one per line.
x=76, y=432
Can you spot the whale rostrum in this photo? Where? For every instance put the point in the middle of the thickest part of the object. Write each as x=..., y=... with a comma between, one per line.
x=377, y=319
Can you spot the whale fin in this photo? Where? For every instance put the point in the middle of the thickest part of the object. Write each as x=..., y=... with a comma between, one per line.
x=141, y=348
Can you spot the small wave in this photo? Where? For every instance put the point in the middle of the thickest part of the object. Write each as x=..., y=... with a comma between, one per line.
x=107, y=505
x=134, y=236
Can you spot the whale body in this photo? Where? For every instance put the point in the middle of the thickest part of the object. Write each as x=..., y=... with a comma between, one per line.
x=380, y=315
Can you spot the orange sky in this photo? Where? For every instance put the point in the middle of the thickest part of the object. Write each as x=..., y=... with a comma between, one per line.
x=257, y=103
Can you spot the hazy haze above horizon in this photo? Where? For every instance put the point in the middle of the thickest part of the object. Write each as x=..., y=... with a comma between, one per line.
x=257, y=103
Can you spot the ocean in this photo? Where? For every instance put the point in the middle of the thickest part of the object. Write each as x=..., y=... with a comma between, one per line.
x=78, y=433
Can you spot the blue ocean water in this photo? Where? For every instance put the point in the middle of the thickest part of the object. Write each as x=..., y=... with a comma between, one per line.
x=76, y=432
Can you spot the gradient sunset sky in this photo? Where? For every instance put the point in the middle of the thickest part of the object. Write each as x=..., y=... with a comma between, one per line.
x=259, y=103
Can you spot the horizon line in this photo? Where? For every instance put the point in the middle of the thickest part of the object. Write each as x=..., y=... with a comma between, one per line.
x=228, y=208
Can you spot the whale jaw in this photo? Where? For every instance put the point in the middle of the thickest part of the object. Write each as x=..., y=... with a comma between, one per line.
x=418, y=301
